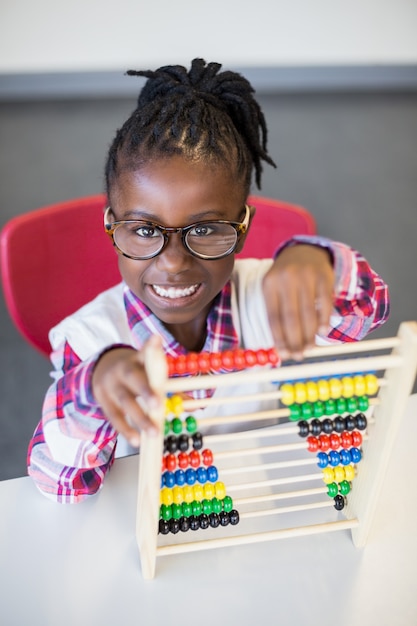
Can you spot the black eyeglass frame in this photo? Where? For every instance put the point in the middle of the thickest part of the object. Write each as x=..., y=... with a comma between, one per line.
x=240, y=227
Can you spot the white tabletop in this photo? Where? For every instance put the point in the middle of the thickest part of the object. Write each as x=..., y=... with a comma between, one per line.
x=78, y=565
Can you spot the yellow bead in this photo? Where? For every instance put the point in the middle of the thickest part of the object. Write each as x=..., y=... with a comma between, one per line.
x=323, y=390
x=328, y=475
x=198, y=492
x=348, y=387
x=311, y=390
x=335, y=388
x=349, y=472
x=220, y=490
x=167, y=406
x=300, y=393
x=360, y=385
x=177, y=405
x=371, y=382
x=188, y=493
x=287, y=391
x=166, y=496
x=339, y=474
x=178, y=494
x=209, y=491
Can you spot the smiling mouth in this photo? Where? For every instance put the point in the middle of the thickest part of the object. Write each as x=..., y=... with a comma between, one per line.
x=175, y=292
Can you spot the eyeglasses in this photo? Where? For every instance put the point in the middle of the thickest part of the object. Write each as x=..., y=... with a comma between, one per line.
x=141, y=240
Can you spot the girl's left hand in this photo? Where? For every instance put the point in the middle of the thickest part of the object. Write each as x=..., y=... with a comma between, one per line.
x=298, y=291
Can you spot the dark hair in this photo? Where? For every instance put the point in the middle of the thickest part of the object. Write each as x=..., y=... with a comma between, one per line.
x=200, y=113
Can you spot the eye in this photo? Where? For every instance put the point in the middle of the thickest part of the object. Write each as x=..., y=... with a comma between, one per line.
x=202, y=230
x=147, y=232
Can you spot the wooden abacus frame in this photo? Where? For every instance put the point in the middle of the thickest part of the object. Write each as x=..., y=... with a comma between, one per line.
x=395, y=358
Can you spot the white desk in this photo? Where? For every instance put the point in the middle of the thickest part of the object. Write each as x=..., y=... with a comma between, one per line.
x=78, y=565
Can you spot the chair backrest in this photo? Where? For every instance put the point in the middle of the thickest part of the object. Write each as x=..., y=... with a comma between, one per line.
x=57, y=258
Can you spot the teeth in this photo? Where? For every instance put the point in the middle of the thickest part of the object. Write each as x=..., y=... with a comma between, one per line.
x=175, y=292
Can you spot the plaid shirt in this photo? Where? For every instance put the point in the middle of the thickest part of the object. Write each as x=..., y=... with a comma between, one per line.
x=73, y=446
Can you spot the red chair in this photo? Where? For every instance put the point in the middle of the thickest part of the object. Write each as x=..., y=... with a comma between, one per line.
x=57, y=258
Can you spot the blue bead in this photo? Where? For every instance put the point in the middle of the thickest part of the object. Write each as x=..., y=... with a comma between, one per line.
x=168, y=479
x=179, y=477
x=322, y=460
x=334, y=458
x=190, y=476
x=202, y=475
x=212, y=473
x=345, y=457
x=356, y=455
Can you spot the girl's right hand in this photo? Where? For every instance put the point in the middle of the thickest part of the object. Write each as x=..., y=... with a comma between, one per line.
x=119, y=378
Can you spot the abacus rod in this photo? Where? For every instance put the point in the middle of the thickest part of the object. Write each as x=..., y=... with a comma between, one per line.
x=242, y=452
x=270, y=497
x=296, y=508
x=293, y=372
x=288, y=480
x=284, y=533
x=229, y=471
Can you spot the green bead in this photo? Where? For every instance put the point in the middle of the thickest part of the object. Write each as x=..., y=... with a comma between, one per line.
x=295, y=412
x=176, y=425
x=352, y=405
x=318, y=408
x=196, y=507
x=344, y=487
x=341, y=405
x=187, y=509
x=306, y=410
x=227, y=503
x=165, y=512
x=217, y=505
x=332, y=490
x=176, y=510
x=167, y=427
x=207, y=506
x=329, y=407
x=363, y=403
x=191, y=424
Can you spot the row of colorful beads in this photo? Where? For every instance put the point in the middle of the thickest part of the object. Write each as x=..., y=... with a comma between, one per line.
x=343, y=488
x=334, y=441
x=335, y=458
x=190, y=476
x=172, y=443
x=338, y=425
x=329, y=407
x=230, y=360
x=196, y=507
x=195, y=522
x=183, y=460
x=188, y=492
x=333, y=388
x=338, y=474
x=177, y=425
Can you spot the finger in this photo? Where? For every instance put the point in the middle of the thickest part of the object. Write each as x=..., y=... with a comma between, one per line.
x=324, y=305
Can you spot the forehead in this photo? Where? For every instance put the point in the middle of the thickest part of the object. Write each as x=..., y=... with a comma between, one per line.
x=178, y=188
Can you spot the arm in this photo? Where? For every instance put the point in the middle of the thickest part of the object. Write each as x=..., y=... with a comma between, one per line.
x=319, y=289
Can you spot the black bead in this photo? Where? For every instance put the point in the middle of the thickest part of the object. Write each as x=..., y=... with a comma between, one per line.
x=350, y=422
x=339, y=424
x=224, y=518
x=197, y=441
x=315, y=427
x=184, y=524
x=339, y=503
x=194, y=522
x=303, y=428
x=183, y=443
x=234, y=517
x=204, y=521
x=214, y=520
x=361, y=421
x=171, y=443
x=174, y=525
x=327, y=426
x=163, y=526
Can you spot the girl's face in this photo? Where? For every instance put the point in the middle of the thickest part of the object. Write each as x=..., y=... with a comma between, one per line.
x=176, y=286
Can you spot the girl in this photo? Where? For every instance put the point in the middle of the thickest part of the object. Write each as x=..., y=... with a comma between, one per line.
x=178, y=176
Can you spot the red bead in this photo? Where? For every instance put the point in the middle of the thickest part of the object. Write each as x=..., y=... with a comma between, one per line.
x=170, y=462
x=356, y=438
x=207, y=456
x=215, y=361
x=180, y=365
x=183, y=460
x=334, y=441
x=192, y=363
x=164, y=465
x=346, y=439
x=312, y=444
x=239, y=359
x=227, y=359
x=194, y=458
x=262, y=357
x=203, y=360
x=250, y=358
x=273, y=356
x=324, y=442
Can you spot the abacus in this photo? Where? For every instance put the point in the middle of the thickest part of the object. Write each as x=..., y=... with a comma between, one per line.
x=311, y=459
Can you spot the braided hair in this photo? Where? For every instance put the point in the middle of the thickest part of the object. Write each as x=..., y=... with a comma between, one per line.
x=199, y=114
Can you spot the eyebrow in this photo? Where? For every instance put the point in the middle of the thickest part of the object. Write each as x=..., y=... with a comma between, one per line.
x=138, y=215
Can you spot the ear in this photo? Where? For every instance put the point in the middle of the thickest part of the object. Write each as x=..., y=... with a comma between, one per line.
x=242, y=238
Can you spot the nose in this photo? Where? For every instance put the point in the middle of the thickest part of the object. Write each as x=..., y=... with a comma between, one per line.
x=174, y=258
